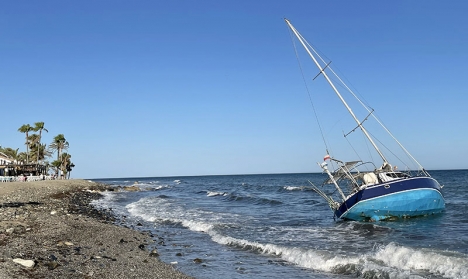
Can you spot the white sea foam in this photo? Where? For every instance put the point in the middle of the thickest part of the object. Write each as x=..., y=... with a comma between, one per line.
x=448, y=264
x=214, y=194
x=293, y=188
x=313, y=259
x=398, y=261
x=108, y=199
x=387, y=261
x=139, y=209
x=197, y=226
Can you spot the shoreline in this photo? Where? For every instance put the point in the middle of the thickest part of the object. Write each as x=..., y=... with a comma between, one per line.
x=52, y=226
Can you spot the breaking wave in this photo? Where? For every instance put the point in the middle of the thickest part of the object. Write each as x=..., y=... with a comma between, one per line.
x=214, y=194
x=385, y=261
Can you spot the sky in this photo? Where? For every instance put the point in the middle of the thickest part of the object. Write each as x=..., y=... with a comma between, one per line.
x=182, y=88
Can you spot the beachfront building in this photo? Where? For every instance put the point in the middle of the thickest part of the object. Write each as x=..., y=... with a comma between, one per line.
x=5, y=160
x=10, y=167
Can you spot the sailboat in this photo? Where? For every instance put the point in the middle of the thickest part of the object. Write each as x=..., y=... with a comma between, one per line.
x=376, y=193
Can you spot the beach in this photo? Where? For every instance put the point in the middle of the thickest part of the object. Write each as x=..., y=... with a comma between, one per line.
x=49, y=230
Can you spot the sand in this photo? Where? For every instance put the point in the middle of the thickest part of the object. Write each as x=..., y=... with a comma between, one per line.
x=50, y=225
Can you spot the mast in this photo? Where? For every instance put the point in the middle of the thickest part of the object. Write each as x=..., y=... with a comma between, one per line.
x=322, y=71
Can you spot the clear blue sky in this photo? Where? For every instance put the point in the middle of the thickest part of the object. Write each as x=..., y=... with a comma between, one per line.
x=168, y=88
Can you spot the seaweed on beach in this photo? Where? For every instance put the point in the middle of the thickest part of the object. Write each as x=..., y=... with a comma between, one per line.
x=18, y=204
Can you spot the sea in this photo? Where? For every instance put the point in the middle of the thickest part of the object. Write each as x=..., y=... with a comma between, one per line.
x=276, y=226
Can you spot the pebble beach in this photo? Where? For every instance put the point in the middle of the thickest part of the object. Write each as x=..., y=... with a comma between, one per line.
x=48, y=229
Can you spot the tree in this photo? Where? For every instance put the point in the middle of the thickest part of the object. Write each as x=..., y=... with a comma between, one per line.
x=22, y=157
x=10, y=152
x=69, y=169
x=65, y=163
x=26, y=128
x=59, y=144
x=39, y=126
x=40, y=152
x=33, y=140
x=56, y=164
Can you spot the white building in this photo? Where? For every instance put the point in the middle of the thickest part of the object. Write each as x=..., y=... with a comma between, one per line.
x=4, y=159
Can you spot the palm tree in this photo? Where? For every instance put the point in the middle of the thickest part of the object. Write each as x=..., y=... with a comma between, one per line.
x=39, y=126
x=65, y=163
x=59, y=144
x=57, y=165
x=10, y=152
x=22, y=157
x=13, y=153
x=69, y=169
x=42, y=152
x=26, y=128
x=33, y=141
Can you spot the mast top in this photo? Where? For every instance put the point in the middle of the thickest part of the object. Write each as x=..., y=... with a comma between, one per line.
x=308, y=48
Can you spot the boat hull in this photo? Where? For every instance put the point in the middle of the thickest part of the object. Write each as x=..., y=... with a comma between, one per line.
x=402, y=198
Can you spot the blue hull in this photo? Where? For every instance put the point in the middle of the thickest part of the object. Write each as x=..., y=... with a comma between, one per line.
x=401, y=198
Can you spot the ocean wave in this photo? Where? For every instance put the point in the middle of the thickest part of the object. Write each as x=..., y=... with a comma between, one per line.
x=293, y=188
x=252, y=199
x=386, y=261
x=214, y=194
x=445, y=263
x=160, y=187
x=390, y=261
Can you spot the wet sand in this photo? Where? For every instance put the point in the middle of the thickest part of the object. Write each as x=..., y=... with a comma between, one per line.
x=51, y=226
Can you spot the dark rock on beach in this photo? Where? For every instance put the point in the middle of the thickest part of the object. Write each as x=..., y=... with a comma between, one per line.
x=48, y=229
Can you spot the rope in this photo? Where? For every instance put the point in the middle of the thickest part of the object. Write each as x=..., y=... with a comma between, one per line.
x=308, y=91
x=366, y=107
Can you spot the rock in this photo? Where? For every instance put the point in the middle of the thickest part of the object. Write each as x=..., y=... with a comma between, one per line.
x=197, y=260
x=68, y=243
x=154, y=253
x=52, y=265
x=131, y=188
x=141, y=246
x=10, y=230
x=53, y=212
x=19, y=229
x=25, y=263
x=179, y=254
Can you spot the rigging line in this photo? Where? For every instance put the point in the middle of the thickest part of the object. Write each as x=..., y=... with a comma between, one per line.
x=307, y=89
x=398, y=142
x=352, y=147
x=365, y=106
x=368, y=149
x=398, y=158
x=357, y=154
